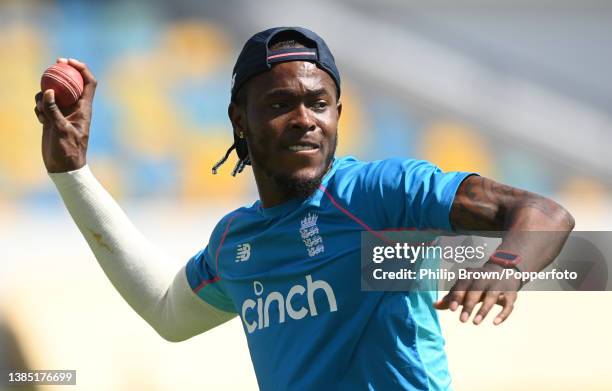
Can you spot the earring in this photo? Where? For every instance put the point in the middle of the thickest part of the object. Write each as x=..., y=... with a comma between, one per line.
x=241, y=135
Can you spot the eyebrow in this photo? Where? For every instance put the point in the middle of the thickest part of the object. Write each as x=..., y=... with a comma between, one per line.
x=279, y=92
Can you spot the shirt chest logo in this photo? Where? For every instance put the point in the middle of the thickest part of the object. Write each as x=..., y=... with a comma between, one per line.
x=243, y=252
x=309, y=231
x=264, y=310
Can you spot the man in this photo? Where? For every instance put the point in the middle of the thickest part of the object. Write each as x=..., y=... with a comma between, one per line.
x=289, y=264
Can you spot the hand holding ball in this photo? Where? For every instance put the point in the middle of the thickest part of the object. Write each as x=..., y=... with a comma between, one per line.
x=64, y=108
x=65, y=80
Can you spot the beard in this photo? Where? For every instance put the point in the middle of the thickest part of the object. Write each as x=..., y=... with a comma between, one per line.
x=301, y=187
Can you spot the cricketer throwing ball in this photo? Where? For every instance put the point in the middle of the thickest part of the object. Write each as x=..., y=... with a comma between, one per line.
x=288, y=265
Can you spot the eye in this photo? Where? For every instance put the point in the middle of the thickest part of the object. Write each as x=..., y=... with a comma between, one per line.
x=319, y=105
x=278, y=105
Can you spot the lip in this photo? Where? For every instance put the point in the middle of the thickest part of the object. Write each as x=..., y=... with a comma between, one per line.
x=304, y=152
x=314, y=147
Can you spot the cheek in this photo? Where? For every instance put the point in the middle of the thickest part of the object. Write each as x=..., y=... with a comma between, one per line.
x=329, y=126
x=265, y=137
x=258, y=144
x=263, y=145
x=261, y=132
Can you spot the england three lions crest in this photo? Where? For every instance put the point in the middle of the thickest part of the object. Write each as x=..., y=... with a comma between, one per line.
x=309, y=231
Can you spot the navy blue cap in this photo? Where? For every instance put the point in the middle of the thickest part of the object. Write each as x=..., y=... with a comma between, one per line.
x=256, y=57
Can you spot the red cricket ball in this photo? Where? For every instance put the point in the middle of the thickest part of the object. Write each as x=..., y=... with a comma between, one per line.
x=65, y=80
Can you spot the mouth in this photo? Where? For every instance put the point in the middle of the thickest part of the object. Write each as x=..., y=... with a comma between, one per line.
x=303, y=147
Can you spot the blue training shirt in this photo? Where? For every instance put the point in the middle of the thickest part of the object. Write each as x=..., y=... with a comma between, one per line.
x=292, y=274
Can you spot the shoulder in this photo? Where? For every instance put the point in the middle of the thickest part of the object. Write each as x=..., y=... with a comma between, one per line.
x=231, y=221
x=356, y=182
x=391, y=170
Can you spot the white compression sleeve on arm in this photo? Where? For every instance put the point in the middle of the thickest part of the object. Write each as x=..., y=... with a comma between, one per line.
x=135, y=267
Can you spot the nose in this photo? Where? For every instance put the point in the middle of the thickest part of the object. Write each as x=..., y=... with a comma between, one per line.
x=302, y=119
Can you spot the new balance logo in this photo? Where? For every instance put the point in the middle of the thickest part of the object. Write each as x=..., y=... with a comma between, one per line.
x=258, y=310
x=243, y=253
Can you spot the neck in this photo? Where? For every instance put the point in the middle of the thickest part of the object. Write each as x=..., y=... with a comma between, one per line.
x=270, y=192
x=273, y=193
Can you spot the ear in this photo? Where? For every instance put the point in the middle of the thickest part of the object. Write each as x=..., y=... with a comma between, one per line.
x=339, y=108
x=237, y=117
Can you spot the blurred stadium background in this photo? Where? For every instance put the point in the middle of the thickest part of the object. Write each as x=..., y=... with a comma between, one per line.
x=518, y=91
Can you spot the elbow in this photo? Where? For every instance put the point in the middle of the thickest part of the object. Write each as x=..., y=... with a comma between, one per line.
x=553, y=215
x=544, y=214
x=564, y=219
x=171, y=336
x=174, y=333
x=167, y=329
x=571, y=223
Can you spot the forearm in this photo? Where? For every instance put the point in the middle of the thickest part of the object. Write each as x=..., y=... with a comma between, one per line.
x=536, y=228
x=140, y=273
x=532, y=226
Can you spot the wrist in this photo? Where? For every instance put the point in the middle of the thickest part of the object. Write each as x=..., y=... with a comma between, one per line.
x=75, y=166
x=518, y=283
x=497, y=267
x=493, y=266
x=71, y=179
x=66, y=160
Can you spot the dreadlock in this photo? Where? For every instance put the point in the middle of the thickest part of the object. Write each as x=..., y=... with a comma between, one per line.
x=283, y=40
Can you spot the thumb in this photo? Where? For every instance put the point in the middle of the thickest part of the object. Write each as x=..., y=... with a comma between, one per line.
x=51, y=109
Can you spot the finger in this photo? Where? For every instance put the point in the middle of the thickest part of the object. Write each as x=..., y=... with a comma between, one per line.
x=456, y=298
x=451, y=299
x=89, y=81
x=443, y=303
x=51, y=109
x=508, y=302
x=39, y=115
x=472, y=297
x=488, y=302
x=62, y=60
x=39, y=106
x=38, y=97
x=457, y=293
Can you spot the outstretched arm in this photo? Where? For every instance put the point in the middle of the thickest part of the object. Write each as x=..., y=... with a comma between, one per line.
x=136, y=268
x=482, y=204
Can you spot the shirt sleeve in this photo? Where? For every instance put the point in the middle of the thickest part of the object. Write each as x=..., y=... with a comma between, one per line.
x=137, y=268
x=205, y=281
x=414, y=193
